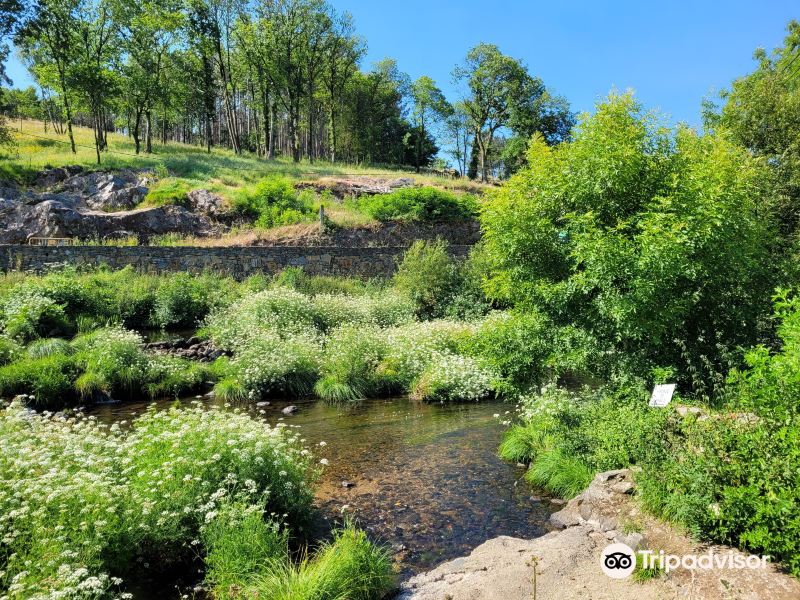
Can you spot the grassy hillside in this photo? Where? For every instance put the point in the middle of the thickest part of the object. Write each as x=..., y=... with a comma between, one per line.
x=221, y=171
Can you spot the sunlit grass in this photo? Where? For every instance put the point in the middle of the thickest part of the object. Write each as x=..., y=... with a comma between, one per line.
x=221, y=171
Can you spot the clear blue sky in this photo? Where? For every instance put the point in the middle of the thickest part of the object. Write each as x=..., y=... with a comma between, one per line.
x=672, y=53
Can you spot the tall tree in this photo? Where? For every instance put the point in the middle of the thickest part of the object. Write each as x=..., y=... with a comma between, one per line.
x=429, y=104
x=501, y=93
x=342, y=54
x=148, y=31
x=51, y=43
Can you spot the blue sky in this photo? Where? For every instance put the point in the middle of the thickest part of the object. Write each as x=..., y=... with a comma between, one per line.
x=672, y=53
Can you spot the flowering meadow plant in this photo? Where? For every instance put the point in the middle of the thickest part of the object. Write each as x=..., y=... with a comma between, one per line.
x=85, y=507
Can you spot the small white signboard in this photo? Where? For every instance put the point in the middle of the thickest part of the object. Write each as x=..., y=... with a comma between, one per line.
x=662, y=395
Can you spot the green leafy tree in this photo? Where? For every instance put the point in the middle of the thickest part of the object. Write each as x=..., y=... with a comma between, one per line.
x=429, y=105
x=503, y=94
x=649, y=240
x=762, y=112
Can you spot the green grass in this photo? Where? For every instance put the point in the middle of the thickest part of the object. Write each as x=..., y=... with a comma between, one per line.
x=350, y=567
x=190, y=166
x=559, y=473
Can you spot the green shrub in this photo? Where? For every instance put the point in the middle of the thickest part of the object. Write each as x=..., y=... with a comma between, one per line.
x=113, y=361
x=584, y=433
x=26, y=315
x=516, y=346
x=47, y=381
x=454, y=378
x=183, y=300
x=732, y=476
x=350, y=364
x=651, y=240
x=272, y=202
x=428, y=276
x=426, y=204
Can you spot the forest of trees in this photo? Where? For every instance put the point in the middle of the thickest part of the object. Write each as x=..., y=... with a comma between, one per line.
x=271, y=77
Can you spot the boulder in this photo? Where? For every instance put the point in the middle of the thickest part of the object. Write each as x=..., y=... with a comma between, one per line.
x=207, y=203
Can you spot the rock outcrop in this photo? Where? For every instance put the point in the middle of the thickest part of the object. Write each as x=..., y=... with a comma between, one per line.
x=341, y=188
x=99, y=205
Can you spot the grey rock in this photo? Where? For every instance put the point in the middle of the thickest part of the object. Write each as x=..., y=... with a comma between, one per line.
x=623, y=487
x=207, y=203
x=635, y=541
x=289, y=410
x=565, y=518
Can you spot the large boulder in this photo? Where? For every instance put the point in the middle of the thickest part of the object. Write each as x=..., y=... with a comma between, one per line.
x=341, y=188
x=120, y=190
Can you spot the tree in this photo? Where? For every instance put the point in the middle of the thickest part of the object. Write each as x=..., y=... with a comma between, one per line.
x=92, y=74
x=50, y=42
x=148, y=31
x=649, y=241
x=429, y=104
x=458, y=137
x=762, y=112
x=503, y=94
x=342, y=54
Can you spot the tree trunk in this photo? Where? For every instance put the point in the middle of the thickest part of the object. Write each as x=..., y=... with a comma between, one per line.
x=332, y=129
x=149, y=137
x=271, y=148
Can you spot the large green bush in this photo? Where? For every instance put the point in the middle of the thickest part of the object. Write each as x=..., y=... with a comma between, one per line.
x=272, y=202
x=648, y=239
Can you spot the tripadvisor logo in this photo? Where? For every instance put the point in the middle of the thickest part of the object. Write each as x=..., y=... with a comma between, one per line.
x=618, y=561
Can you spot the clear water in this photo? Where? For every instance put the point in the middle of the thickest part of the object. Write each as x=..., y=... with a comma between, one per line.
x=425, y=479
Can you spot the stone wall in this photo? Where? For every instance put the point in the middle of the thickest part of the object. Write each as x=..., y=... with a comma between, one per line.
x=239, y=262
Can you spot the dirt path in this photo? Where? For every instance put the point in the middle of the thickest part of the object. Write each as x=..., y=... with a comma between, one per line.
x=568, y=562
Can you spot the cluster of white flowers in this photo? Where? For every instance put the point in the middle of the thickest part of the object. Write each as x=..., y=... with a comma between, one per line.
x=76, y=494
x=412, y=347
x=454, y=377
x=22, y=309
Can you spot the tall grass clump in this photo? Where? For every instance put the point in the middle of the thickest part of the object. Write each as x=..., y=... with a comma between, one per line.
x=348, y=567
x=351, y=364
x=85, y=508
x=566, y=437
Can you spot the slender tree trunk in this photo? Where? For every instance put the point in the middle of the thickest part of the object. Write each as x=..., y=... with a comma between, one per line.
x=68, y=111
x=332, y=130
x=136, y=126
x=271, y=149
x=149, y=137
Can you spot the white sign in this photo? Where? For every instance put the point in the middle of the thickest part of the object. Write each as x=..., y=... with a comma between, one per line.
x=662, y=394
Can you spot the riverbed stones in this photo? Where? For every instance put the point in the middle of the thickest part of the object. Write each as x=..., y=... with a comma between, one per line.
x=290, y=410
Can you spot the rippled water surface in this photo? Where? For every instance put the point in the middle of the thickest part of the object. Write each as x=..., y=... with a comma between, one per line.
x=422, y=478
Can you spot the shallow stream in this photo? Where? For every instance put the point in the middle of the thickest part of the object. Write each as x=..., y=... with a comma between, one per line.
x=424, y=479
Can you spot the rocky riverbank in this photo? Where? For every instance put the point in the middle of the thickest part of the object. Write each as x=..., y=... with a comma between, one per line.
x=565, y=564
